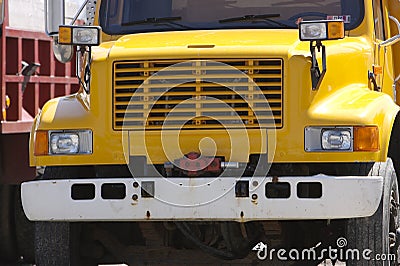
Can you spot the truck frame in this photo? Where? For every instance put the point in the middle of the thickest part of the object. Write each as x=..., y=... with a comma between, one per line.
x=245, y=125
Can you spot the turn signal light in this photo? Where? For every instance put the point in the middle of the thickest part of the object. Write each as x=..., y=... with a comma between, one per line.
x=366, y=138
x=41, y=143
x=335, y=30
x=65, y=35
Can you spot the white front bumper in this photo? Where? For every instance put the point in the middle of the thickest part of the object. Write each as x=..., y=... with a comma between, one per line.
x=202, y=199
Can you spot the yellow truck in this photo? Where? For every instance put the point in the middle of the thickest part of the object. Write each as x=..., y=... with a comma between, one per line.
x=236, y=127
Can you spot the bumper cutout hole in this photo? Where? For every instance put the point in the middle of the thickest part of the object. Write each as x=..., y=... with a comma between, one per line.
x=277, y=190
x=114, y=191
x=309, y=190
x=83, y=191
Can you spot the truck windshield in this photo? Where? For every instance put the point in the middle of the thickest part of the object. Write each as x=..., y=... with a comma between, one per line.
x=133, y=16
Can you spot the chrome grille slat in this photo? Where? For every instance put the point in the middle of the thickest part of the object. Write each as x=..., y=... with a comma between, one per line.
x=182, y=110
x=201, y=101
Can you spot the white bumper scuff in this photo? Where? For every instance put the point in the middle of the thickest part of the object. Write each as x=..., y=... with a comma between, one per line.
x=202, y=199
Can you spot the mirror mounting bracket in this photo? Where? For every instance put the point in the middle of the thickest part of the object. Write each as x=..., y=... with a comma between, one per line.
x=85, y=80
x=316, y=74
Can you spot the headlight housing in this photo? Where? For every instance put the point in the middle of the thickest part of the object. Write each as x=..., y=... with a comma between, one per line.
x=313, y=31
x=63, y=142
x=79, y=35
x=331, y=139
x=319, y=30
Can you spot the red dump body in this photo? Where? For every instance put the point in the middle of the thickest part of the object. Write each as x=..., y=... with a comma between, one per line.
x=52, y=79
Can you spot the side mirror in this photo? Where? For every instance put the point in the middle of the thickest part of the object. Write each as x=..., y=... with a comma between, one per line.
x=55, y=14
x=63, y=53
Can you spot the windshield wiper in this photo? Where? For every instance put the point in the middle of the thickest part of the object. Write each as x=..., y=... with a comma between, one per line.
x=162, y=20
x=256, y=18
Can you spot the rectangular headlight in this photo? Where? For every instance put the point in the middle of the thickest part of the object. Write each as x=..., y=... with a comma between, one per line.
x=313, y=31
x=79, y=35
x=336, y=139
x=328, y=139
x=70, y=142
x=321, y=30
x=64, y=143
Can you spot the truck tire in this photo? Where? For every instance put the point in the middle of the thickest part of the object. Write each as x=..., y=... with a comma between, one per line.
x=24, y=231
x=53, y=244
x=58, y=243
x=374, y=232
x=8, y=250
x=16, y=231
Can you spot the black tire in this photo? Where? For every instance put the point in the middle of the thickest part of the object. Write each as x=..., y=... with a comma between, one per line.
x=16, y=231
x=53, y=244
x=24, y=231
x=58, y=243
x=8, y=249
x=373, y=232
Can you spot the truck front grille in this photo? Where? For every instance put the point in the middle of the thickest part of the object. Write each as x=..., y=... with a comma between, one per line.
x=198, y=94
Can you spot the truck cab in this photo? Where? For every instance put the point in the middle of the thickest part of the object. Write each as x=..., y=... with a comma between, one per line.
x=219, y=125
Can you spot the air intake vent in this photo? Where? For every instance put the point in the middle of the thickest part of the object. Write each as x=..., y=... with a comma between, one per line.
x=198, y=94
